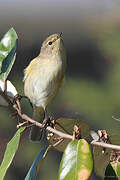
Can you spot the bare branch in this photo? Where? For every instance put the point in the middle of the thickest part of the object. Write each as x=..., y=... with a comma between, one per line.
x=59, y=133
x=50, y=129
x=57, y=143
x=105, y=145
x=67, y=136
x=116, y=118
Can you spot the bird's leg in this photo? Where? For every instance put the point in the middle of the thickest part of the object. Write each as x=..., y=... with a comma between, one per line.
x=46, y=120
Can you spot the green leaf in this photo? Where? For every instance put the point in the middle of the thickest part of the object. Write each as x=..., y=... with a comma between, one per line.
x=8, y=47
x=10, y=91
x=116, y=167
x=101, y=160
x=34, y=170
x=109, y=173
x=67, y=125
x=77, y=162
x=11, y=149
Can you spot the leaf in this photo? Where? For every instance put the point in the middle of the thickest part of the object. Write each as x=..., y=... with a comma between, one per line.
x=101, y=160
x=34, y=170
x=67, y=125
x=11, y=92
x=8, y=47
x=116, y=167
x=76, y=163
x=110, y=173
x=94, y=135
x=11, y=149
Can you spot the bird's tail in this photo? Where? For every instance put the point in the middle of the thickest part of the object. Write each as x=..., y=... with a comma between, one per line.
x=38, y=115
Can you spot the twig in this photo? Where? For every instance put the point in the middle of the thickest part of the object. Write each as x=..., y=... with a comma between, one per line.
x=21, y=124
x=115, y=118
x=105, y=145
x=57, y=143
x=67, y=136
x=19, y=105
x=5, y=87
x=59, y=133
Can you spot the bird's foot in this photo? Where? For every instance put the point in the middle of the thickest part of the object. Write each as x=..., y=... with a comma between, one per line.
x=48, y=122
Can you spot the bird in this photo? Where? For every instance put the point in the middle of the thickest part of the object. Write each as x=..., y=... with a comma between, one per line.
x=43, y=77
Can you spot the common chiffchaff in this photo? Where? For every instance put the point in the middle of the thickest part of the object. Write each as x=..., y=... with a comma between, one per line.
x=43, y=77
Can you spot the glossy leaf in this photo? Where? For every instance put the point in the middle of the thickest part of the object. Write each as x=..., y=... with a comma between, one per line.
x=76, y=163
x=8, y=47
x=11, y=149
x=67, y=125
x=10, y=91
x=34, y=170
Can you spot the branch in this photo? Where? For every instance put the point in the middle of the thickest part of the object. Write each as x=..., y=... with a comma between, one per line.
x=105, y=145
x=67, y=136
x=50, y=129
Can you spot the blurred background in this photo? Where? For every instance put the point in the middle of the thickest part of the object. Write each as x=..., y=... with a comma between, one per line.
x=91, y=33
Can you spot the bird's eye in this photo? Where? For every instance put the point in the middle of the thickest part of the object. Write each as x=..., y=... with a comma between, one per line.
x=50, y=43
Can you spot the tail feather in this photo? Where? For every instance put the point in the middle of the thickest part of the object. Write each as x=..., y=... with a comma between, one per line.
x=38, y=115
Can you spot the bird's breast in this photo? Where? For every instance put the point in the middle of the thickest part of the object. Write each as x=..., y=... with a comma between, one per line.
x=43, y=81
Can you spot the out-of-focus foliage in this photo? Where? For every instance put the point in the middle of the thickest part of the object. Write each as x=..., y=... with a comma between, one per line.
x=11, y=149
x=92, y=85
x=34, y=170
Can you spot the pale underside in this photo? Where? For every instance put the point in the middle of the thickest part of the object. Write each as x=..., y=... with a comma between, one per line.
x=42, y=80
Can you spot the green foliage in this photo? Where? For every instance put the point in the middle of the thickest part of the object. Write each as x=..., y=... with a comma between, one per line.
x=102, y=156
x=77, y=162
x=8, y=47
x=34, y=170
x=11, y=149
x=110, y=173
x=116, y=168
x=101, y=160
